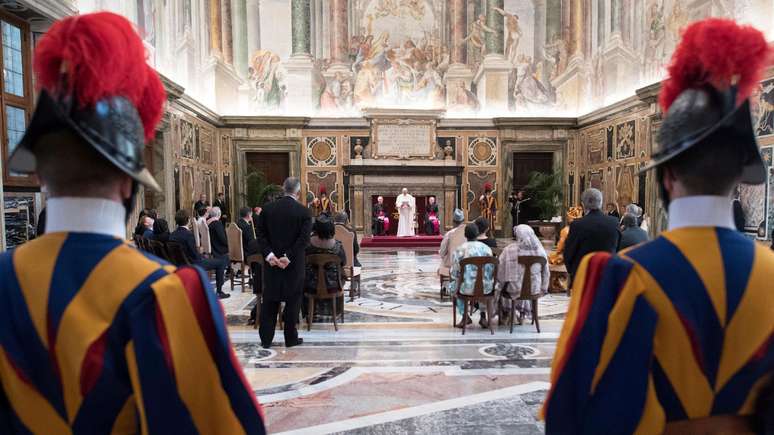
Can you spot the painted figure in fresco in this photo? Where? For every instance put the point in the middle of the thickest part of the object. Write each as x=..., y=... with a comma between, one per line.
x=677, y=20
x=488, y=204
x=463, y=99
x=337, y=94
x=512, y=34
x=386, y=8
x=654, y=48
x=432, y=222
x=476, y=35
x=416, y=8
x=764, y=109
x=379, y=219
x=556, y=54
x=266, y=79
x=527, y=90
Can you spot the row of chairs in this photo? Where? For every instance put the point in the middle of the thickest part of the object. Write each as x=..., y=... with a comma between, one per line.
x=169, y=251
x=479, y=295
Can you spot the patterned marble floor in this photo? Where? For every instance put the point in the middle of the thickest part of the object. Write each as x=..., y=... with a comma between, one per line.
x=396, y=366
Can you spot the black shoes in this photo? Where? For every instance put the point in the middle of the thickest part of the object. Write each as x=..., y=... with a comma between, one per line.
x=222, y=295
x=298, y=342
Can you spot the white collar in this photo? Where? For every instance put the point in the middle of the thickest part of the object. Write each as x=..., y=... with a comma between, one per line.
x=86, y=215
x=701, y=211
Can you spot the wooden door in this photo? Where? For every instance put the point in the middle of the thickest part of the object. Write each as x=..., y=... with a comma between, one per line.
x=275, y=166
x=525, y=164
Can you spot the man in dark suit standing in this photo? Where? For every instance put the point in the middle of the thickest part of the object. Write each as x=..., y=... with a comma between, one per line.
x=220, y=202
x=592, y=233
x=283, y=235
x=245, y=223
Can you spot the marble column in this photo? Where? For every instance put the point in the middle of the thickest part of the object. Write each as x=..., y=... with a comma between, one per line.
x=492, y=78
x=300, y=68
x=253, y=11
x=226, y=33
x=494, y=40
x=339, y=37
x=300, y=27
x=239, y=35
x=216, y=41
x=458, y=13
x=616, y=16
x=458, y=56
x=576, y=28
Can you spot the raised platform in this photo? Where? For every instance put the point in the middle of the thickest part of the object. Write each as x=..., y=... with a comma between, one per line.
x=401, y=242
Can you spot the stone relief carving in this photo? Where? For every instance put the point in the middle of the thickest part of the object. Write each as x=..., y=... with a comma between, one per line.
x=321, y=151
x=482, y=151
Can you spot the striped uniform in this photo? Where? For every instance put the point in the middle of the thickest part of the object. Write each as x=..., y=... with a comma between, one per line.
x=678, y=328
x=97, y=337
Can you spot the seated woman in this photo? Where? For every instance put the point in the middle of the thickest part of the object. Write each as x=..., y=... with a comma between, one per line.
x=323, y=242
x=432, y=224
x=483, y=231
x=466, y=280
x=558, y=256
x=510, y=273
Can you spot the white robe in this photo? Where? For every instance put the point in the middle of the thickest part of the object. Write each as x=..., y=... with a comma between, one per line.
x=406, y=221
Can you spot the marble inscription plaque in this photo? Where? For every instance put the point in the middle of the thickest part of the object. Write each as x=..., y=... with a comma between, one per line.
x=404, y=140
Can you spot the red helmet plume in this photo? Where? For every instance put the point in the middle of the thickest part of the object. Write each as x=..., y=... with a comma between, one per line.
x=99, y=55
x=323, y=190
x=716, y=52
x=487, y=186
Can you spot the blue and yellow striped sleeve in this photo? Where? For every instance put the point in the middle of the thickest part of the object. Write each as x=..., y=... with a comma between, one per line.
x=184, y=373
x=601, y=370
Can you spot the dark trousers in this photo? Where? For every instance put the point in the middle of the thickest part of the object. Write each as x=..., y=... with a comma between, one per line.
x=218, y=264
x=269, y=310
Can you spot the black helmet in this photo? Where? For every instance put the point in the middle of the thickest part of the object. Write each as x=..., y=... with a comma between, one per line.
x=95, y=82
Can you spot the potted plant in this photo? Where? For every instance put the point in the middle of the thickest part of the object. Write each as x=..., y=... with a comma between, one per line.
x=545, y=189
x=258, y=189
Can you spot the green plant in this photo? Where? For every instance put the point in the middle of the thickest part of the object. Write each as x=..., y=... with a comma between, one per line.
x=258, y=189
x=546, y=192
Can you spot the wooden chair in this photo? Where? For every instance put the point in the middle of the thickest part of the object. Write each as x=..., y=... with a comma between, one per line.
x=177, y=254
x=144, y=244
x=351, y=273
x=236, y=254
x=201, y=228
x=159, y=249
x=318, y=262
x=478, y=290
x=526, y=289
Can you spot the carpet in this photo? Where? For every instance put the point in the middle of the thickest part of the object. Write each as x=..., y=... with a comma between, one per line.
x=401, y=242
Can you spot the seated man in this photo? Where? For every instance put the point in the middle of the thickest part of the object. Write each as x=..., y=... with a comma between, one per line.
x=342, y=218
x=185, y=237
x=148, y=222
x=466, y=279
x=245, y=223
x=631, y=233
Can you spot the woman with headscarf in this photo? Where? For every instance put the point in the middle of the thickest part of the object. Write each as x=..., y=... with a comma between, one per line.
x=510, y=274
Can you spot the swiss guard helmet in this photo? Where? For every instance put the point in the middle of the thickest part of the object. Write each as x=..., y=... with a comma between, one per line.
x=712, y=73
x=94, y=81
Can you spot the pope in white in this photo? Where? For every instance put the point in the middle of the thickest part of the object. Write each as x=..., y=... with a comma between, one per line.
x=406, y=206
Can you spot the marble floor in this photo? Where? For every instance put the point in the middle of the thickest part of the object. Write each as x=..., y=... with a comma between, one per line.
x=396, y=365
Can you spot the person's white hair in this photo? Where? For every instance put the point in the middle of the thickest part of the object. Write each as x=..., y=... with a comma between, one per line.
x=215, y=212
x=591, y=199
x=291, y=186
x=634, y=210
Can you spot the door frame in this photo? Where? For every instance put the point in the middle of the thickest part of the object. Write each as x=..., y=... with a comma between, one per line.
x=559, y=150
x=244, y=146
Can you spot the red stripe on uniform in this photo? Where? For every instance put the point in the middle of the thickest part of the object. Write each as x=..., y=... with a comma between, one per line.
x=164, y=340
x=201, y=308
x=91, y=368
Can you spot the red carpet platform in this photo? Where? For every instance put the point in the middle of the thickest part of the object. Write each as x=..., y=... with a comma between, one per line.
x=401, y=242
